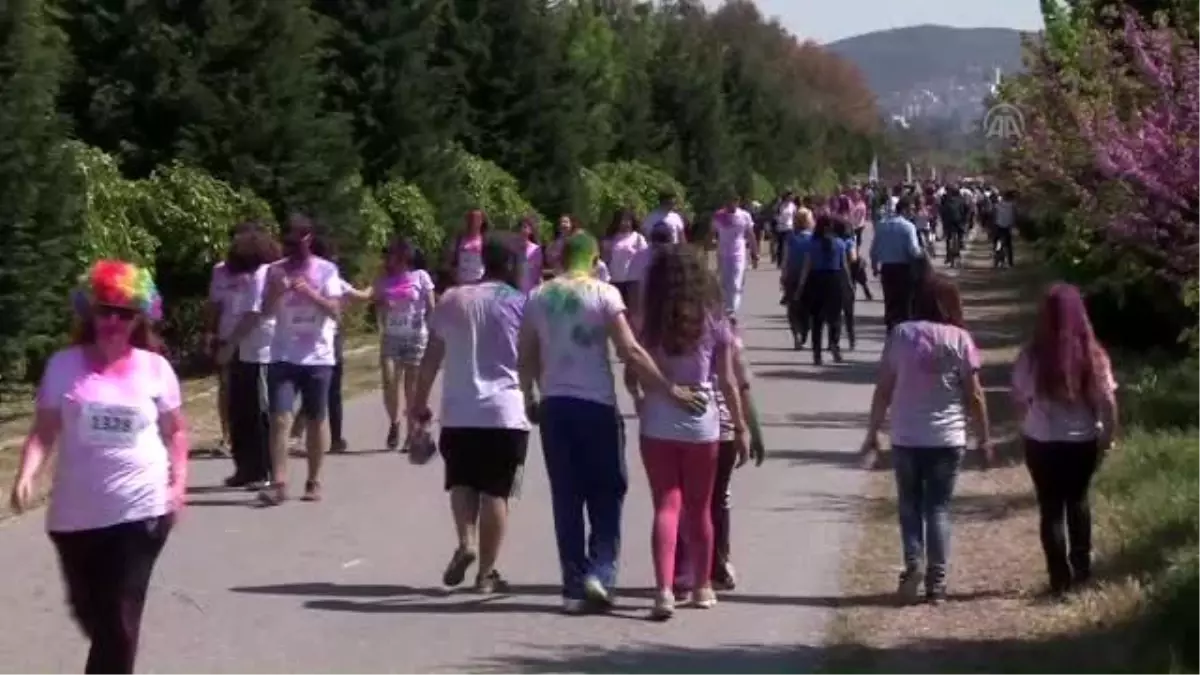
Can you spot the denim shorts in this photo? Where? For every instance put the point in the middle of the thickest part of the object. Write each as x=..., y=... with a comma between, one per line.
x=286, y=381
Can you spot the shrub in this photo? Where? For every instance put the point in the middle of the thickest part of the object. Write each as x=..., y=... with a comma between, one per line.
x=110, y=228
x=756, y=187
x=411, y=214
x=642, y=183
x=377, y=222
x=479, y=183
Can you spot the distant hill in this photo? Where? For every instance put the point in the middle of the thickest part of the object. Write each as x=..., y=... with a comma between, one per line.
x=933, y=71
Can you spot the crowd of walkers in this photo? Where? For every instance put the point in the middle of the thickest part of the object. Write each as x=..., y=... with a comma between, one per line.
x=520, y=334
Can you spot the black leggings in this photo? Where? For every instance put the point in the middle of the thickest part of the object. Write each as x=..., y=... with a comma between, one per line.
x=107, y=572
x=824, y=291
x=1062, y=474
x=335, y=402
x=249, y=421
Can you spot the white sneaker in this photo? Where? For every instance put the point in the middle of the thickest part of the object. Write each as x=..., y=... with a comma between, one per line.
x=597, y=593
x=664, y=606
x=705, y=598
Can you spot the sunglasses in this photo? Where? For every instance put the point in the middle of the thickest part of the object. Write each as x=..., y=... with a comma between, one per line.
x=114, y=312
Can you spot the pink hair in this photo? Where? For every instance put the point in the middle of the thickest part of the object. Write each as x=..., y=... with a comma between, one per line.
x=1067, y=359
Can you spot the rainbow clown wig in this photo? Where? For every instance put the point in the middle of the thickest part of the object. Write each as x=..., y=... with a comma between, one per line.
x=116, y=283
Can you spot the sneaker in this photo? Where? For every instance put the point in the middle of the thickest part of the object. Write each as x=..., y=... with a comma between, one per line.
x=574, y=606
x=910, y=586
x=837, y=355
x=724, y=578
x=339, y=446
x=597, y=594
x=393, y=437
x=490, y=583
x=221, y=449
x=936, y=596
x=664, y=606
x=456, y=569
x=312, y=491
x=273, y=494
x=705, y=598
x=236, y=481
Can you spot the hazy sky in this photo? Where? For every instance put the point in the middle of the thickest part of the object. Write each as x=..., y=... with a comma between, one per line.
x=830, y=20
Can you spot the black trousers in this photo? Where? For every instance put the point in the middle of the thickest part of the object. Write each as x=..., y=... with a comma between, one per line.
x=824, y=291
x=781, y=242
x=107, y=572
x=726, y=459
x=335, y=401
x=1062, y=474
x=1003, y=236
x=848, y=312
x=249, y=421
x=898, y=281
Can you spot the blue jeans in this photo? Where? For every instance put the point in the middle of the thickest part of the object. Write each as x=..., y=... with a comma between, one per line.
x=584, y=444
x=924, y=485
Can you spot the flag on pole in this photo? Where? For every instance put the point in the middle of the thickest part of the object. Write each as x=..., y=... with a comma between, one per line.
x=908, y=173
x=873, y=173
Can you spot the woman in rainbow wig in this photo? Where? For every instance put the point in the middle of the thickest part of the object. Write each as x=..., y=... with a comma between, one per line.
x=109, y=405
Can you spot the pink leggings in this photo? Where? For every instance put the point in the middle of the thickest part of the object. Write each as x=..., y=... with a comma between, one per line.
x=681, y=479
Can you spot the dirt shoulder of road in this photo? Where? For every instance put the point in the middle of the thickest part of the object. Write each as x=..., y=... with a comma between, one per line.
x=995, y=620
x=360, y=374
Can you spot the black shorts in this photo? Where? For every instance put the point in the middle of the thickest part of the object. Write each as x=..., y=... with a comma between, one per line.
x=487, y=460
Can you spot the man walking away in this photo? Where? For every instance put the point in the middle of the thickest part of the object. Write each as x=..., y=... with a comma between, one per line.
x=895, y=250
x=785, y=222
x=1005, y=218
x=954, y=213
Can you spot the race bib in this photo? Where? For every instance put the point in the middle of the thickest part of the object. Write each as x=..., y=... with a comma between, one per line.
x=305, y=320
x=109, y=426
x=402, y=321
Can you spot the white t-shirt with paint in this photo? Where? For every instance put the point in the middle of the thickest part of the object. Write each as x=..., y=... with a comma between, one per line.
x=671, y=218
x=256, y=346
x=304, y=332
x=785, y=218
x=571, y=315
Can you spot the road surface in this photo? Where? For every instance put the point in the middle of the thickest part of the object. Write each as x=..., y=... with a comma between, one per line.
x=352, y=584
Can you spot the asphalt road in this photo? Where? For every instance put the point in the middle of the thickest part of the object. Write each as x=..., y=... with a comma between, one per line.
x=352, y=584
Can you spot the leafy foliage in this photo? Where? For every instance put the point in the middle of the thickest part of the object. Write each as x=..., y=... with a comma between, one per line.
x=411, y=214
x=40, y=197
x=110, y=225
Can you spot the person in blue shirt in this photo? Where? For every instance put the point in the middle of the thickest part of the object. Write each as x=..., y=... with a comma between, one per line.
x=793, y=259
x=895, y=250
x=845, y=232
x=824, y=281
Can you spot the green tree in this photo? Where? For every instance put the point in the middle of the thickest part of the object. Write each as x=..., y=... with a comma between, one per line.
x=39, y=194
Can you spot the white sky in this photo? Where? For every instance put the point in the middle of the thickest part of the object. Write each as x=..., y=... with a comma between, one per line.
x=831, y=20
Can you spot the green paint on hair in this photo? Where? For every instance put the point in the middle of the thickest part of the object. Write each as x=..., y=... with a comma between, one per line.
x=580, y=251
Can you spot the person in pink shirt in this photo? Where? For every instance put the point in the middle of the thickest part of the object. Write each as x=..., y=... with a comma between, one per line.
x=109, y=406
x=463, y=263
x=553, y=252
x=929, y=387
x=619, y=250
x=858, y=216
x=735, y=233
x=404, y=300
x=1065, y=393
x=534, y=254
x=219, y=323
x=688, y=337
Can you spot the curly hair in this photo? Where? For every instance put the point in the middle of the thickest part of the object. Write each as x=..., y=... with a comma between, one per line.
x=681, y=297
x=252, y=247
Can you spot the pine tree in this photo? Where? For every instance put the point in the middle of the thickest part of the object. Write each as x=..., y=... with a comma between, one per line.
x=39, y=195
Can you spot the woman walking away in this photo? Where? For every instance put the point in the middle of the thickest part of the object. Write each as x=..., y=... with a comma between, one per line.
x=110, y=405
x=533, y=254
x=247, y=353
x=928, y=385
x=660, y=237
x=1064, y=388
x=724, y=578
x=684, y=329
x=485, y=431
x=564, y=353
x=404, y=302
x=219, y=323
x=735, y=232
x=824, y=281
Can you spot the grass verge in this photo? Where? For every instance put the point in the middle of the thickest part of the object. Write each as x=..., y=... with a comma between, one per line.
x=1141, y=616
x=360, y=373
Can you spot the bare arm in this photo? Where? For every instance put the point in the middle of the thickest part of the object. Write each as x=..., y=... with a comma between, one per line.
x=881, y=400
x=427, y=372
x=977, y=405
x=529, y=361
x=172, y=427
x=635, y=356
x=38, y=446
